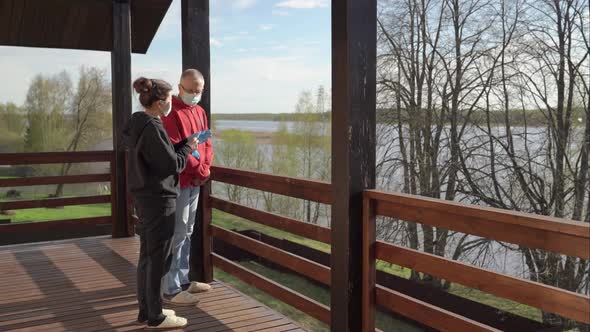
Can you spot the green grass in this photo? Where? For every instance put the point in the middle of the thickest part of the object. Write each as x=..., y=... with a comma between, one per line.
x=228, y=221
x=68, y=212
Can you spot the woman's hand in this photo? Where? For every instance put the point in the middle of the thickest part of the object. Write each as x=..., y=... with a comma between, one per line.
x=193, y=144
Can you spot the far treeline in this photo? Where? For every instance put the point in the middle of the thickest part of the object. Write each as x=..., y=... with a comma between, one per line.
x=517, y=117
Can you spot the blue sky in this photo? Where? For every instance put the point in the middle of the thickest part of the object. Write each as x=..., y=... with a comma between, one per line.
x=263, y=54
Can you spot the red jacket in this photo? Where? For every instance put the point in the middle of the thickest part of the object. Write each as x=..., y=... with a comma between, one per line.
x=183, y=121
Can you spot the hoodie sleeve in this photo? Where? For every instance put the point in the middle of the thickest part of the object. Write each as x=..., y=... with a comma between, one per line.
x=160, y=154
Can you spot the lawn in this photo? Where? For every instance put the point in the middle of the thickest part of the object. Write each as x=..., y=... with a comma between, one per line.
x=67, y=212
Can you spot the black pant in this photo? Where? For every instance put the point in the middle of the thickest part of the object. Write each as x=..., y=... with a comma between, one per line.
x=155, y=229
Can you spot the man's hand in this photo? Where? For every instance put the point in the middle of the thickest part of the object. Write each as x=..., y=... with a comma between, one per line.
x=198, y=182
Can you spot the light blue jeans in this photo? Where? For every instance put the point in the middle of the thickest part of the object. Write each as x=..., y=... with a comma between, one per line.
x=186, y=210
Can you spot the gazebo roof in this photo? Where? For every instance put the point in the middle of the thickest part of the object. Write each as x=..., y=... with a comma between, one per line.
x=76, y=24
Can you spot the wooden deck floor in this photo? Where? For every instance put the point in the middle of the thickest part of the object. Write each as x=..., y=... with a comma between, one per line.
x=89, y=285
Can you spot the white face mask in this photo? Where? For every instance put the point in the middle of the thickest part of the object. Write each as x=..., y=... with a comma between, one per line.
x=168, y=110
x=191, y=98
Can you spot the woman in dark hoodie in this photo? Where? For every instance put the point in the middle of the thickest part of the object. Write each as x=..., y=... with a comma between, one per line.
x=154, y=165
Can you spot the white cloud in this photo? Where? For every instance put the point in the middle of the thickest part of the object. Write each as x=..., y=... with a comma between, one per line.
x=216, y=43
x=265, y=27
x=302, y=4
x=280, y=12
x=243, y=4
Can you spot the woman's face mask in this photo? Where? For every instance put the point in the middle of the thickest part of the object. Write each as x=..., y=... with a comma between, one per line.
x=166, y=109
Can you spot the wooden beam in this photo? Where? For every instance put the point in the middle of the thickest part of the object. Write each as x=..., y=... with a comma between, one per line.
x=312, y=190
x=27, y=232
x=426, y=313
x=369, y=265
x=54, y=157
x=196, y=54
x=282, y=293
x=121, y=78
x=354, y=31
x=565, y=303
x=54, y=202
x=295, y=263
x=310, y=231
x=48, y=180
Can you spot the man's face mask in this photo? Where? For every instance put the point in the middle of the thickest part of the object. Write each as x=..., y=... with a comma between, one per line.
x=190, y=98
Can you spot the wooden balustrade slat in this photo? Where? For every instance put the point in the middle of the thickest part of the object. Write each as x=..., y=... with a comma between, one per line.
x=307, y=305
x=23, y=232
x=499, y=216
x=286, y=259
x=49, y=180
x=54, y=202
x=547, y=298
x=54, y=157
x=317, y=191
x=426, y=313
x=310, y=231
x=526, y=234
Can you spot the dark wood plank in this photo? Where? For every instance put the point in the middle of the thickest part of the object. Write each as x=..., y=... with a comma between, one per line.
x=54, y=157
x=354, y=58
x=196, y=54
x=317, y=191
x=48, y=180
x=369, y=268
x=425, y=313
x=565, y=303
x=54, y=202
x=288, y=260
x=308, y=306
x=570, y=238
x=53, y=230
x=310, y=231
x=121, y=78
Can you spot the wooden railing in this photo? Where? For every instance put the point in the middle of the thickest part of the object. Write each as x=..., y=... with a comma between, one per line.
x=303, y=189
x=532, y=231
x=55, y=229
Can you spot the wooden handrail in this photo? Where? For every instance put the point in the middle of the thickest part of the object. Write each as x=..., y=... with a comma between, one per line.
x=54, y=157
x=303, y=303
x=317, y=191
x=287, y=260
x=568, y=237
x=310, y=231
x=548, y=298
x=48, y=180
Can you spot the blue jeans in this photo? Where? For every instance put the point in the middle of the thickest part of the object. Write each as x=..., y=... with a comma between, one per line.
x=186, y=210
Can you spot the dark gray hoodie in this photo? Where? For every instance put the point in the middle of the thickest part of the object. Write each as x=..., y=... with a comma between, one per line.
x=154, y=163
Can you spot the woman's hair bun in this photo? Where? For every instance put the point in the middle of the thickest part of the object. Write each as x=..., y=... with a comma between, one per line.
x=151, y=90
x=143, y=85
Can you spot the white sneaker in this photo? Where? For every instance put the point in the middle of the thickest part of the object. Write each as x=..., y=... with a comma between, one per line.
x=198, y=287
x=165, y=312
x=169, y=323
x=183, y=298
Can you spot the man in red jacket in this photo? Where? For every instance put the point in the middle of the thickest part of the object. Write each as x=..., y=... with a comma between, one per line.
x=187, y=118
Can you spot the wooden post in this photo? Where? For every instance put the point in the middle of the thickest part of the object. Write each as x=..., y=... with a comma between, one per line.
x=354, y=43
x=369, y=273
x=196, y=54
x=121, y=78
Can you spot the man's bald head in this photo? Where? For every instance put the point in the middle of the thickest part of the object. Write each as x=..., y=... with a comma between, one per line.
x=192, y=74
x=191, y=81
